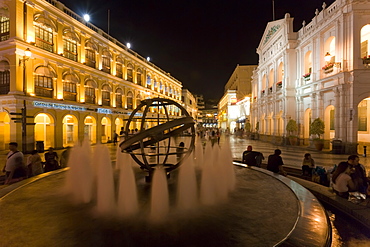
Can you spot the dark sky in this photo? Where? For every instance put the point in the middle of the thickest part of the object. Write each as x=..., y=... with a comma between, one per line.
x=199, y=42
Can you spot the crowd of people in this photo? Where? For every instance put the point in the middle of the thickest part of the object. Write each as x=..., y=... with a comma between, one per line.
x=349, y=176
x=17, y=168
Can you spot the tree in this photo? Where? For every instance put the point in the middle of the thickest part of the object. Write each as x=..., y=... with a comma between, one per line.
x=317, y=127
x=291, y=127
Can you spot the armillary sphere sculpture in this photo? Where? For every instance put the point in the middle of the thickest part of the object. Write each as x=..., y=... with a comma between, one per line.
x=153, y=144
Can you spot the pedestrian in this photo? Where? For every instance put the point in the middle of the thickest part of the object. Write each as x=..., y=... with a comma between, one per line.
x=359, y=174
x=252, y=158
x=34, y=164
x=51, y=160
x=14, y=168
x=342, y=181
x=275, y=163
x=64, y=157
x=180, y=150
x=115, y=137
x=308, y=164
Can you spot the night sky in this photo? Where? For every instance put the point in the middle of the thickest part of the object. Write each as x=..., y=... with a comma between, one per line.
x=199, y=42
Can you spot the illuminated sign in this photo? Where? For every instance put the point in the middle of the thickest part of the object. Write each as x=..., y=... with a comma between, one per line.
x=58, y=106
x=104, y=111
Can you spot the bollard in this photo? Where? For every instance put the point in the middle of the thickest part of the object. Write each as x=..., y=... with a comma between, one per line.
x=364, y=151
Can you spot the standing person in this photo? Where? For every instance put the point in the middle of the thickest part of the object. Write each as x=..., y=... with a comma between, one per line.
x=51, y=160
x=359, y=173
x=308, y=164
x=218, y=134
x=115, y=138
x=34, y=164
x=252, y=158
x=180, y=150
x=275, y=163
x=342, y=181
x=14, y=167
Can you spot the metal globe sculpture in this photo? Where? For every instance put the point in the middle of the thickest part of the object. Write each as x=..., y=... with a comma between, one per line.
x=154, y=144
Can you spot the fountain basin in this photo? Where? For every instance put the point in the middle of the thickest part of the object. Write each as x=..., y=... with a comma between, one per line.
x=262, y=211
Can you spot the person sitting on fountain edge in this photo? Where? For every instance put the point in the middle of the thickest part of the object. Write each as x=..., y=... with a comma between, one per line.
x=275, y=163
x=252, y=158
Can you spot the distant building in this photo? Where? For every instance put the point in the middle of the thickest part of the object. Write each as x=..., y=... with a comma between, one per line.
x=321, y=71
x=201, y=105
x=234, y=106
x=189, y=103
x=73, y=79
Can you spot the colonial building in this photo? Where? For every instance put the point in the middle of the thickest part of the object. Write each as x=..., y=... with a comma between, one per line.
x=189, y=103
x=321, y=71
x=73, y=80
x=234, y=106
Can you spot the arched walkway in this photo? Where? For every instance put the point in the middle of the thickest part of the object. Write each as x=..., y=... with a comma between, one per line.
x=44, y=129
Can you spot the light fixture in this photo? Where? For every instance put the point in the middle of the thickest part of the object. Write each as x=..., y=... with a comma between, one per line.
x=86, y=17
x=27, y=53
x=128, y=45
x=327, y=57
x=148, y=59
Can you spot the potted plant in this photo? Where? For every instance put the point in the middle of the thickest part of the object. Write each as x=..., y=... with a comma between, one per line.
x=292, y=127
x=317, y=128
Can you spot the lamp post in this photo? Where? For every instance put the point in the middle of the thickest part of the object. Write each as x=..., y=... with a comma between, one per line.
x=26, y=56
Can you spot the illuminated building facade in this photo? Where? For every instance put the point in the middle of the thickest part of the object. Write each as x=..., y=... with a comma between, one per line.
x=321, y=71
x=189, y=103
x=77, y=82
x=234, y=106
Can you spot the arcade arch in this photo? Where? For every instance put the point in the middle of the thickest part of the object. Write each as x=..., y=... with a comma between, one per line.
x=90, y=129
x=44, y=129
x=70, y=130
x=4, y=130
x=105, y=130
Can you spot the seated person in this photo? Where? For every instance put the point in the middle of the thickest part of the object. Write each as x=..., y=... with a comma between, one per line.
x=252, y=158
x=275, y=163
x=342, y=181
x=308, y=164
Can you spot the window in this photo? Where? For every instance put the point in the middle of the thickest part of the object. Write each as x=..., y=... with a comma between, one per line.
x=139, y=79
x=106, y=57
x=332, y=120
x=44, y=86
x=44, y=82
x=129, y=73
x=148, y=82
x=138, y=100
x=4, y=28
x=129, y=101
x=4, y=77
x=44, y=37
x=119, y=66
x=362, y=116
x=90, y=86
x=106, y=95
x=90, y=58
x=119, y=98
x=70, y=87
x=70, y=49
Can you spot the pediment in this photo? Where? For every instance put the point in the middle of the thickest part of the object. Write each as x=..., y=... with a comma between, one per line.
x=271, y=29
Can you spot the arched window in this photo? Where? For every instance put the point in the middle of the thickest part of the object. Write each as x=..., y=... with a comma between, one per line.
x=106, y=58
x=308, y=62
x=119, y=66
x=271, y=78
x=70, y=82
x=44, y=27
x=139, y=77
x=130, y=72
x=90, y=56
x=90, y=87
x=129, y=99
x=329, y=47
x=119, y=94
x=365, y=37
x=148, y=82
x=263, y=86
x=44, y=82
x=4, y=24
x=70, y=41
x=138, y=100
x=155, y=85
x=4, y=77
x=106, y=90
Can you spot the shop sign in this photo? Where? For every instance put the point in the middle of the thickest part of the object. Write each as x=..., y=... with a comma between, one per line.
x=108, y=111
x=58, y=106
